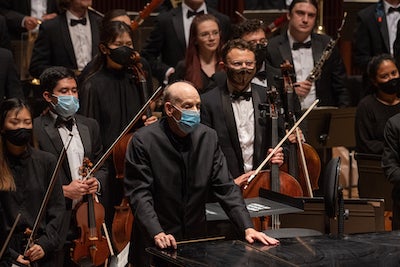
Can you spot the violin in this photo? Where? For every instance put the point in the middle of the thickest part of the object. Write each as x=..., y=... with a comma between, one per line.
x=91, y=245
x=309, y=169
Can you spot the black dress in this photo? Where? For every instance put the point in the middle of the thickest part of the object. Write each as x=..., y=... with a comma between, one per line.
x=32, y=173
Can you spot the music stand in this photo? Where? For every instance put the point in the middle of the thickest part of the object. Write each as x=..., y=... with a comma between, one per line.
x=329, y=127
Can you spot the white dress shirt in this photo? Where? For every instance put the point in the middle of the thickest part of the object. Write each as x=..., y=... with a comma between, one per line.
x=392, y=19
x=188, y=21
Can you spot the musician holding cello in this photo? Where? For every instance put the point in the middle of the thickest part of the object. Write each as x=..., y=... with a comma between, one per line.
x=27, y=173
x=171, y=166
x=53, y=130
x=232, y=110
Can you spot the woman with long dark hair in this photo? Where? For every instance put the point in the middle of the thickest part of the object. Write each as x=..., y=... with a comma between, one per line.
x=26, y=173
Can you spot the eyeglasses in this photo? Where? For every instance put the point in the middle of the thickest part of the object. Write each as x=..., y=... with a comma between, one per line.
x=204, y=35
x=238, y=64
x=262, y=42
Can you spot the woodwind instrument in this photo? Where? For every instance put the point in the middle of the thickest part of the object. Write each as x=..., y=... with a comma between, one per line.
x=320, y=28
x=316, y=71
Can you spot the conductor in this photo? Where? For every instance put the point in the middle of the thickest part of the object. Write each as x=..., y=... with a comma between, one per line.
x=171, y=166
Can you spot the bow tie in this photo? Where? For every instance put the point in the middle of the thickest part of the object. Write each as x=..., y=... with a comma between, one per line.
x=394, y=9
x=75, y=22
x=194, y=13
x=67, y=123
x=297, y=46
x=241, y=95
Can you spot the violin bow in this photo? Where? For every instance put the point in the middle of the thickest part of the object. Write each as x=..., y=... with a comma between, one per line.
x=281, y=142
x=9, y=235
x=46, y=198
x=124, y=132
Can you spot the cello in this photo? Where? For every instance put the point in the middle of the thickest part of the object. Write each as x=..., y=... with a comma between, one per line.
x=274, y=179
x=92, y=246
x=309, y=169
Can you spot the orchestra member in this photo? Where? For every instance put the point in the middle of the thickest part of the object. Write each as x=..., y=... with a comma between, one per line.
x=375, y=109
x=53, y=130
x=168, y=41
x=168, y=186
x=303, y=49
x=70, y=40
x=203, y=54
x=27, y=172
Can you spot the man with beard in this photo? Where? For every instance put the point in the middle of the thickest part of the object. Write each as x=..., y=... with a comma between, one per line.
x=232, y=110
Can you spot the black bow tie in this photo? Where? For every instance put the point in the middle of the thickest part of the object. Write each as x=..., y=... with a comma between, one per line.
x=394, y=9
x=194, y=13
x=67, y=123
x=241, y=95
x=297, y=46
x=75, y=22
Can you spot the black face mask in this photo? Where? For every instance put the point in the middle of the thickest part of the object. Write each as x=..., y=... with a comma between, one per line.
x=390, y=87
x=122, y=55
x=18, y=137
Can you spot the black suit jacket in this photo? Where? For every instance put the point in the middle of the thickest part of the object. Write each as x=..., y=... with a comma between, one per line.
x=330, y=88
x=49, y=140
x=10, y=85
x=371, y=35
x=16, y=10
x=167, y=40
x=53, y=47
x=217, y=113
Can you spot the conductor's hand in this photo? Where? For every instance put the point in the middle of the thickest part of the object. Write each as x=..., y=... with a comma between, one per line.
x=302, y=88
x=162, y=240
x=278, y=157
x=242, y=179
x=35, y=253
x=253, y=235
x=93, y=185
x=75, y=189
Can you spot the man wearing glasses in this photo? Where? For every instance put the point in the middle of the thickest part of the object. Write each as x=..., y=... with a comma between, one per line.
x=232, y=109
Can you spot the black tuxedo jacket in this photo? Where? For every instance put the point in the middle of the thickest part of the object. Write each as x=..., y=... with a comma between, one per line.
x=217, y=113
x=16, y=10
x=49, y=139
x=330, y=88
x=371, y=35
x=53, y=47
x=10, y=85
x=167, y=40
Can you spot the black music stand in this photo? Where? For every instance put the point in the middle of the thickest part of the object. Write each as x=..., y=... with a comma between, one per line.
x=329, y=127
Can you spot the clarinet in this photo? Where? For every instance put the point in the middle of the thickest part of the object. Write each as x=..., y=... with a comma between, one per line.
x=316, y=71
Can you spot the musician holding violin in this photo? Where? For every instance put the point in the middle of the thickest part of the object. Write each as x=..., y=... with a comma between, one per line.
x=171, y=167
x=58, y=126
x=26, y=172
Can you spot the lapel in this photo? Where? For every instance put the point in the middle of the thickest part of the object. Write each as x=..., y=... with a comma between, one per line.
x=66, y=37
x=94, y=29
x=55, y=139
x=284, y=49
x=317, y=47
x=231, y=124
x=85, y=137
x=177, y=22
x=380, y=19
x=256, y=92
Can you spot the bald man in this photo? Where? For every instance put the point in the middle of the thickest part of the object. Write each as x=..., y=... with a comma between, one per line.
x=171, y=166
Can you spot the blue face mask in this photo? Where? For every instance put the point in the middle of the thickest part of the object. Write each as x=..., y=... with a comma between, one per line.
x=67, y=105
x=190, y=119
